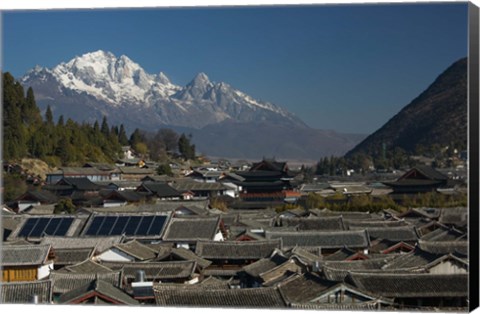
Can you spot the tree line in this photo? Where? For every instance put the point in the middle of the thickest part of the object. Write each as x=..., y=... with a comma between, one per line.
x=27, y=133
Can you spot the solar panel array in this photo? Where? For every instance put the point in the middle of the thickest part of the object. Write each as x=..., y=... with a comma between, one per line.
x=128, y=225
x=37, y=227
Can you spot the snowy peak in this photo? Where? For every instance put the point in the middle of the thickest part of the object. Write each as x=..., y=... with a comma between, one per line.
x=200, y=80
x=122, y=83
x=163, y=79
x=114, y=80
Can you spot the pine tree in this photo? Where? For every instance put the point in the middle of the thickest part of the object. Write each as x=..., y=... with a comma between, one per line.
x=187, y=150
x=60, y=122
x=15, y=134
x=105, y=129
x=49, y=116
x=122, y=136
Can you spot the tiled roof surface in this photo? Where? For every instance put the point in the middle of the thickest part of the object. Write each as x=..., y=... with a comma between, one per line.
x=188, y=255
x=340, y=255
x=323, y=239
x=444, y=247
x=161, y=189
x=236, y=249
x=88, y=266
x=304, y=288
x=72, y=256
x=100, y=243
x=403, y=233
x=24, y=255
x=412, y=285
x=191, y=229
x=412, y=260
x=238, y=298
x=362, y=224
x=101, y=288
x=155, y=270
x=264, y=264
x=193, y=186
x=64, y=281
x=23, y=292
x=338, y=270
x=136, y=249
x=315, y=223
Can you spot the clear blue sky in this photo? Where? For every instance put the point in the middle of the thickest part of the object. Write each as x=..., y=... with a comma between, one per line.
x=349, y=68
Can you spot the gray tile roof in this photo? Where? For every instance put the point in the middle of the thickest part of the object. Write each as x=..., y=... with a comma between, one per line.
x=322, y=239
x=221, y=272
x=64, y=281
x=238, y=298
x=191, y=229
x=193, y=186
x=411, y=285
x=24, y=255
x=72, y=256
x=281, y=272
x=159, y=189
x=100, y=243
x=454, y=216
x=402, y=233
x=215, y=283
x=410, y=261
x=338, y=270
x=264, y=264
x=101, y=289
x=362, y=224
x=303, y=288
x=155, y=271
x=236, y=249
x=136, y=249
x=443, y=235
x=346, y=215
x=444, y=247
x=314, y=223
x=188, y=255
x=88, y=266
x=340, y=255
x=23, y=292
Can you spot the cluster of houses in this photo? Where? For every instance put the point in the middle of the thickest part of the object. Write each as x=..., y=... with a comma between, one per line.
x=137, y=238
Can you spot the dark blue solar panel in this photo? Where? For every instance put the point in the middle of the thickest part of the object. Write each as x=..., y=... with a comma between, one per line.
x=107, y=225
x=132, y=225
x=95, y=225
x=120, y=225
x=157, y=225
x=144, y=225
x=63, y=227
x=39, y=228
x=52, y=226
x=27, y=227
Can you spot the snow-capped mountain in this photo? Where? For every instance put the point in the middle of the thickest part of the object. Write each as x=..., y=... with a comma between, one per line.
x=121, y=84
x=223, y=120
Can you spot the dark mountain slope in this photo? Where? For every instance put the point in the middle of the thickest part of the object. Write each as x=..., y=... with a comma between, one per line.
x=438, y=116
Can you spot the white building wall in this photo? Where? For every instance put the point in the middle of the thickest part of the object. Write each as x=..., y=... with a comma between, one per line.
x=114, y=255
x=447, y=267
x=44, y=271
x=218, y=237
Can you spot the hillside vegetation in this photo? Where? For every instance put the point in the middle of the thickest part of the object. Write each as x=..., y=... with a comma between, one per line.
x=437, y=118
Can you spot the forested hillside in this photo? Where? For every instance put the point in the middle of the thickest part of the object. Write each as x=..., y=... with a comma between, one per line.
x=29, y=134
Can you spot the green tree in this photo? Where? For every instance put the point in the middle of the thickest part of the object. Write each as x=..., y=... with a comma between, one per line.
x=15, y=134
x=105, y=129
x=64, y=206
x=187, y=150
x=49, y=116
x=122, y=136
x=164, y=169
